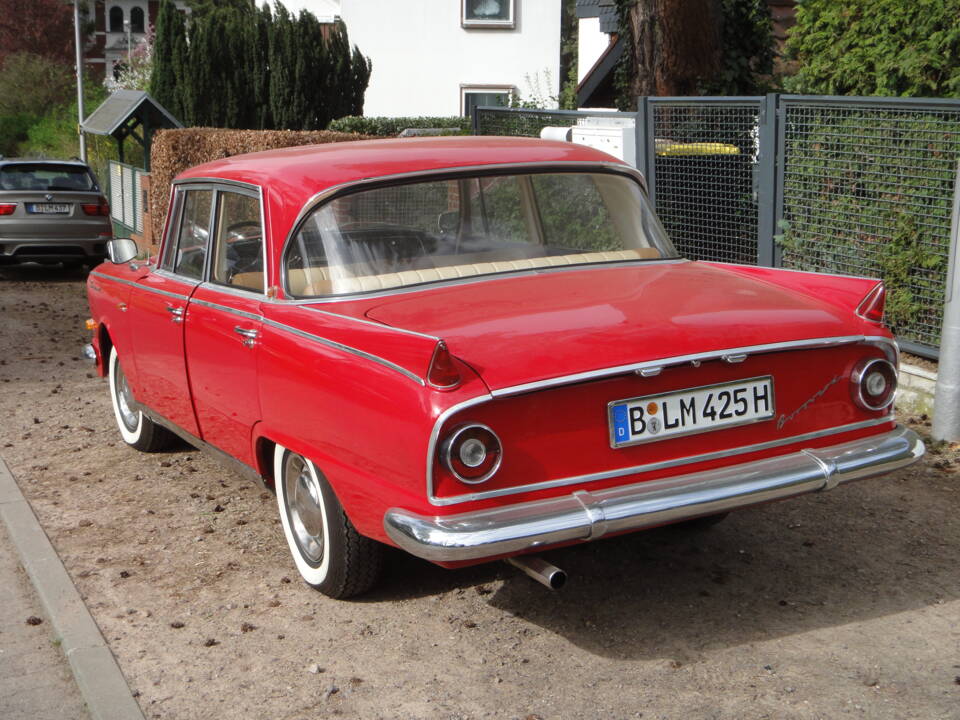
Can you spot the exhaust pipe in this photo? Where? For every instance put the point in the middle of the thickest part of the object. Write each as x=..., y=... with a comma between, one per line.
x=540, y=570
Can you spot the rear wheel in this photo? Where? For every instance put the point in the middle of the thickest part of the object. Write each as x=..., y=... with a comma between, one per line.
x=136, y=429
x=328, y=551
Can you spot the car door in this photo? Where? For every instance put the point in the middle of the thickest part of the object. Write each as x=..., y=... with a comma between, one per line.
x=224, y=323
x=158, y=309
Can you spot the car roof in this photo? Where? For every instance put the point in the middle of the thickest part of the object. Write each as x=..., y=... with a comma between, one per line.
x=41, y=161
x=293, y=175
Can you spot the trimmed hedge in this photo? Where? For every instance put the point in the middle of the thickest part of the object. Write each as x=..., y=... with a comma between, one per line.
x=173, y=151
x=391, y=127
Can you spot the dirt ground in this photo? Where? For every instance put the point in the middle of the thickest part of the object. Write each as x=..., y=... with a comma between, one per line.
x=843, y=604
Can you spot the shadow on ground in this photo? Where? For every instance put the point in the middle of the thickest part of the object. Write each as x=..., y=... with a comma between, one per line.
x=859, y=552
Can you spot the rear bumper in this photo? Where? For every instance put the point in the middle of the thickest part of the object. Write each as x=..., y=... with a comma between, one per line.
x=14, y=250
x=589, y=515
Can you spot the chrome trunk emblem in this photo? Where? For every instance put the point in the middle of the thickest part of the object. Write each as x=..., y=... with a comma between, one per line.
x=48, y=197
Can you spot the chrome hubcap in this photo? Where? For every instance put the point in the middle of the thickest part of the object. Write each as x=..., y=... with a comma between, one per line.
x=125, y=400
x=305, y=507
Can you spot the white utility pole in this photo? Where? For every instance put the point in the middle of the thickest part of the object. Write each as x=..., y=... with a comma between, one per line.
x=78, y=39
x=946, y=402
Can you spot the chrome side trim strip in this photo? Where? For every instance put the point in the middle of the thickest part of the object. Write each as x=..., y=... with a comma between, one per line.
x=224, y=308
x=225, y=459
x=364, y=321
x=684, y=360
x=157, y=291
x=310, y=336
x=586, y=516
x=345, y=348
x=650, y=467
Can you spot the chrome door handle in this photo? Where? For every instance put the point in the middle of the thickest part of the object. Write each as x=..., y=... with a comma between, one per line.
x=177, y=313
x=249, y=335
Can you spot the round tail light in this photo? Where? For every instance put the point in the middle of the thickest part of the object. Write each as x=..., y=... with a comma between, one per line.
x=874, y=384
x=472, y=453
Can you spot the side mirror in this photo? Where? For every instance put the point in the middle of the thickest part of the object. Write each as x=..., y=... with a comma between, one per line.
x=122, y=250
x=449, y=222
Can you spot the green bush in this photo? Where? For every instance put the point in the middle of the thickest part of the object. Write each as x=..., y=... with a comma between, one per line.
x=391, y=127
x=857, y=202
x=876, y=47
x=13, y=131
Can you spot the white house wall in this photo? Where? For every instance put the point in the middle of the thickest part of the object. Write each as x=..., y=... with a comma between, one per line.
x=591, y=44
x=422, y=56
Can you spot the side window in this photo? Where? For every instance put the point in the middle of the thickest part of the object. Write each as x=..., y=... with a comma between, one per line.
x=191, y=250
x=238, y=249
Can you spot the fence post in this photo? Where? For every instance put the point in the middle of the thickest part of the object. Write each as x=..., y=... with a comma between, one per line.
x=640, y=138
x=946, y=402
x=475, y=120
x=766, y=187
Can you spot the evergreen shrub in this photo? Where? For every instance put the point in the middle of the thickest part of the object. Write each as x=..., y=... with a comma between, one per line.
x=391, y=127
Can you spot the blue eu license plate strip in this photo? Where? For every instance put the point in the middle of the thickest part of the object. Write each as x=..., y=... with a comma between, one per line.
x=693, y=410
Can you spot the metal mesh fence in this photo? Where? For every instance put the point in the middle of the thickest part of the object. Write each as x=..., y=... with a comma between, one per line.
x=703, y=177
x=867, y=190
x=863, y=187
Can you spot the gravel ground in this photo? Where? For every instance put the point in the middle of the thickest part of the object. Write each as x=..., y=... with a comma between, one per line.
x=843, y=604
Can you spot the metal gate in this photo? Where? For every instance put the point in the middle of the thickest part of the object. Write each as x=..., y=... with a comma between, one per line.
x=857, y=186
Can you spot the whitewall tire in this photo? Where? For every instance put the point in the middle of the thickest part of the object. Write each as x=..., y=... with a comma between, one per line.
x=136, y=429
x=329, y=553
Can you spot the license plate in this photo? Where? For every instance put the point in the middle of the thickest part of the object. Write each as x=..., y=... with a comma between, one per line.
x=48, y=208
x=694, y=410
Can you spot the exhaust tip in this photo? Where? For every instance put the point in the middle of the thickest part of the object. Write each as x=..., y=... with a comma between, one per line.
x=540, y=570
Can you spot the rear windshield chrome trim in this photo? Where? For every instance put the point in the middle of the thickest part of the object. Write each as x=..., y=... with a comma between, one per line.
x=423, y=287
x=887, y=345
x=450, y=172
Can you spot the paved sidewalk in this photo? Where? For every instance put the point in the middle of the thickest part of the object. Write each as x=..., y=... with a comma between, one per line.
x=35, y=678
x=105, y=693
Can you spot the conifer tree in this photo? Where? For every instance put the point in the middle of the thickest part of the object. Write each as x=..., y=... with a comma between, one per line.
x=169, y=51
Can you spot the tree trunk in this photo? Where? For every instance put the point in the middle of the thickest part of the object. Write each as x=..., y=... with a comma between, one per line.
x=676, y=45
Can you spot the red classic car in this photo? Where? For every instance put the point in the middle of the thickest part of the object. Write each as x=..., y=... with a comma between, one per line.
x=474, y=348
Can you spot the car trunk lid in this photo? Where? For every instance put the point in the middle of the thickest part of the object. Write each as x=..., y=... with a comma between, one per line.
x=521, y=329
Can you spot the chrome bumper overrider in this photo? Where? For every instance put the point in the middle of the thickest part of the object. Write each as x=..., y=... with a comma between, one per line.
x=585, y=515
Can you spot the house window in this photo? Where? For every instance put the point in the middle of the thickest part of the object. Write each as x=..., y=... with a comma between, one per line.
x=116, y=19
x=487, y=13
x=136, y=20
x=484, y=96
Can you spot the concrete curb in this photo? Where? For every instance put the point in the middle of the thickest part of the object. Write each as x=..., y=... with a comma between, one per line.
x=101, y=683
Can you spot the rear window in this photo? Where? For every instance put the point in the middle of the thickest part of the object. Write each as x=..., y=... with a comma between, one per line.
x=44, y=176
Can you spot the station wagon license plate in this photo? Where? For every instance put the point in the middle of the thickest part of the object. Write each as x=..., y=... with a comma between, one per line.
x=694, y=410
x=48, y=208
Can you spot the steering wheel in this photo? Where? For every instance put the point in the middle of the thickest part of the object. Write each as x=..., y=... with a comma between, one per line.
x=235, y=229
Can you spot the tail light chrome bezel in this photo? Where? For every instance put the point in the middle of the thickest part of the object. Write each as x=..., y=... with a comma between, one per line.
x=862, y=371
x=450, y=445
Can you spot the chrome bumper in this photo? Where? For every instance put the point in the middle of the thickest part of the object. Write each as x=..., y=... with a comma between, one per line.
x=585, y=515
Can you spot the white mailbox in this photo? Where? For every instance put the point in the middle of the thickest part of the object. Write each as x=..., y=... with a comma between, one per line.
x=616, y=136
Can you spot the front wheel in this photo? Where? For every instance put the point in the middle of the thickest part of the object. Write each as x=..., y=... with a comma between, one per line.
x=137, y=430
x=327, y=550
